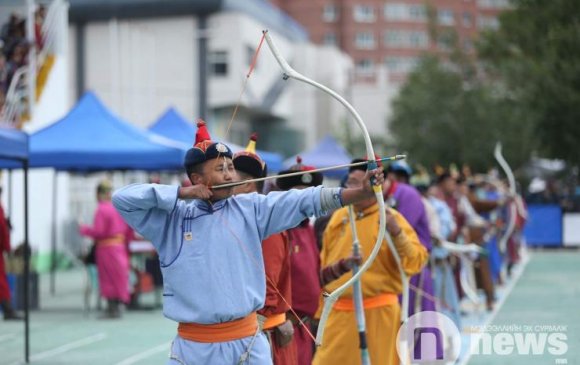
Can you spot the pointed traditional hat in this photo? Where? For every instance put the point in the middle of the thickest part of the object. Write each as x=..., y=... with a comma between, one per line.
x=204, y=148
x=249, y=161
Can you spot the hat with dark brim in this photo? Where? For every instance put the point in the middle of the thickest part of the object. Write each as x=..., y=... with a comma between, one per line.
x=249, y=162
x=306, y=179
x=204, y=148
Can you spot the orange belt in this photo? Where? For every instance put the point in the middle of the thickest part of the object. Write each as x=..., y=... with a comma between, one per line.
x=381, y=300
x=219, y=332
x=118, y=239
x=274, y=321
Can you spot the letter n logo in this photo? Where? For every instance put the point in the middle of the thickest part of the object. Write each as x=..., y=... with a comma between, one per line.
x=430, y=339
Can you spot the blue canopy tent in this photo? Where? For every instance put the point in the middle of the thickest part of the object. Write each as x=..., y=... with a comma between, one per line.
x=173, y=126
x=91, y=138
x=13, y=148
x=14, y=154
x=328, y=152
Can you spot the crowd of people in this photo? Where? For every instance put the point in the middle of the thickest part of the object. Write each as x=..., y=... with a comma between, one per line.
x=14, y=50
x=245, y=266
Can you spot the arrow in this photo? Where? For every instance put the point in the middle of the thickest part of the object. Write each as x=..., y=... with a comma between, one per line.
x=337, y=167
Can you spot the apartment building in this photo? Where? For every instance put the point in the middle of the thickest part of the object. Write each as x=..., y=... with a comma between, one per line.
x=394, y=33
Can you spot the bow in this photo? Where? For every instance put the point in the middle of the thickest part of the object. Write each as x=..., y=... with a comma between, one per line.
x=330, y=299
x=512, y=189
x=357, y=293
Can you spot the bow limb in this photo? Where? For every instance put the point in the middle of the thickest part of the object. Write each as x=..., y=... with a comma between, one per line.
x=357, y=293
x=330, y=299
x=512, y=189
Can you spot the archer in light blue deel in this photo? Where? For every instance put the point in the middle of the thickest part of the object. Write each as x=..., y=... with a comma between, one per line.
x=209, y=246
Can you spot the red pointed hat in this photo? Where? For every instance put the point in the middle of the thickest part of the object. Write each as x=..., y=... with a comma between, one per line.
x=308, y=179
x=204, y=148
x=249, y=161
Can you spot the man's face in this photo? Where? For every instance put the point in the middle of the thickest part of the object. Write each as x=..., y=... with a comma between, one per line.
x=216, y=172
x=449, y=185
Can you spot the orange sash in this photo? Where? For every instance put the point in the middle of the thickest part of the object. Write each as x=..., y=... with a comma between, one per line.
x=381, y=300
x=274, y=321
x=219, y=332
x=118, y=239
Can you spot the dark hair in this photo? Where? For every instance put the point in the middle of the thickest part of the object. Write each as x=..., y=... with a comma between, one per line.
x=444, y=176
x=193, y=169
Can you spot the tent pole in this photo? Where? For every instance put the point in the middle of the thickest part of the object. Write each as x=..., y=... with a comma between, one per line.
x=53, y=235
x=26, y=268
x=9, y=192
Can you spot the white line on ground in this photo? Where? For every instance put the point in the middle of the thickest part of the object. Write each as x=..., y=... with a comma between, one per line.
x=142, y=355
x=517, y=274
x=67, y=347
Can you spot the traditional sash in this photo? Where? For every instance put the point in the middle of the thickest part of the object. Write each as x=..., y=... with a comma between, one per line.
x=219, y=332
x=117, y=239
x=381, y=300
x=274, y=321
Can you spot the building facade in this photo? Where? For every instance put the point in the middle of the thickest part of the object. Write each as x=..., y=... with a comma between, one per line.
x=394, y=33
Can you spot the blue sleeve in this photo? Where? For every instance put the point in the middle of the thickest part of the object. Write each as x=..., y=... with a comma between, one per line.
x=279, y=211
x=147, y=208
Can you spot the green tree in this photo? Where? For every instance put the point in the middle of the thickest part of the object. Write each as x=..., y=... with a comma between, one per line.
x=444, y=116
x=535, y=57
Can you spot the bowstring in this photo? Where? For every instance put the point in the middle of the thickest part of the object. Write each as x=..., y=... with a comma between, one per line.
x=238, y=240
x=257, y=264
x=239, y=101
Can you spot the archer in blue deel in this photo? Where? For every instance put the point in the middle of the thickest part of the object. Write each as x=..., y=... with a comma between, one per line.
x=209, y=246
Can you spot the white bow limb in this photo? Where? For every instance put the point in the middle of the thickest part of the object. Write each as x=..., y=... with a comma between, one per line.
x=330, y=299
x=512, y=189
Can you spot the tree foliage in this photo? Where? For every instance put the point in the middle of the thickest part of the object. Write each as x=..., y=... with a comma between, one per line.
x=440, y=118
x=536, y=55
x=523, y=90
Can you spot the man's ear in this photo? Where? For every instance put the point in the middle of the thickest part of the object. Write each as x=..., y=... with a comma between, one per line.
x=196, y=178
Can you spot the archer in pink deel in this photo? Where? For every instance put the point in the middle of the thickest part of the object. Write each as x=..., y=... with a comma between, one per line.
x=111, y=234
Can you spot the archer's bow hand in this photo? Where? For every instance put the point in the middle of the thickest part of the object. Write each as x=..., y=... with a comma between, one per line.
x=373, y=177
x=365, y=190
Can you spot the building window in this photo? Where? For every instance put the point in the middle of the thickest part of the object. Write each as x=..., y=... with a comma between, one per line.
x=397, y=64
x=365, y=66
x=418, y=13
x=329, y=13
x=365, y=40
x=396, y=11
x=364, y=13
x=467, y=20
x=330, y=39
x=446, y=17
x=218, y=63
x=394, y=38
x=493, y=4
x=487, y=22
x=418, y=40
x=406, y=39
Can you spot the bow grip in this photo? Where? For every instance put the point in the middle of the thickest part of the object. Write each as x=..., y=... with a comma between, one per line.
x=372, y=165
